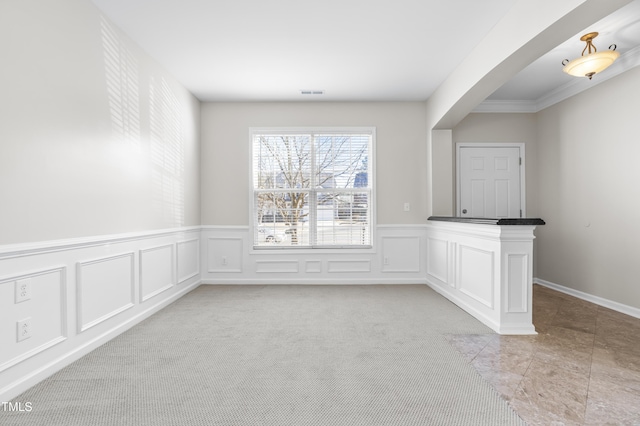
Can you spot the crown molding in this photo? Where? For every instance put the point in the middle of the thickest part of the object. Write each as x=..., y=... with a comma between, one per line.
x=630, y=59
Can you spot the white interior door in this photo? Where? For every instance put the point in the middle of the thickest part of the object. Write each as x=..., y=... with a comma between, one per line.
x=489, y=181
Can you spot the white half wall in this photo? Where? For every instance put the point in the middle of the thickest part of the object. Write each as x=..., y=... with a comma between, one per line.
x=486, y=270
x=75, y=295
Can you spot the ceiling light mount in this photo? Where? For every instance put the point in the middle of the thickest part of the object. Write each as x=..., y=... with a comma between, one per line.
x=593, y=62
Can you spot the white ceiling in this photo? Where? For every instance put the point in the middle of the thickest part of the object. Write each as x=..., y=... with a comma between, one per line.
x=545, y=76
x=353, y=50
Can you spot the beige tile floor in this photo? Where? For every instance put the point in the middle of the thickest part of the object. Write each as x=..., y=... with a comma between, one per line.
x=583, y=367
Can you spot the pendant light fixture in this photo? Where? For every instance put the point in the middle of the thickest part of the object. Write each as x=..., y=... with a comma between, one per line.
x=593, y=62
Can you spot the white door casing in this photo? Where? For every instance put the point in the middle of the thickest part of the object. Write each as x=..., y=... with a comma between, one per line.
x=490, y=180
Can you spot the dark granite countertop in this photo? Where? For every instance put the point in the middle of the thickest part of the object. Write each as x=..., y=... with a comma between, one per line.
x=490, y=221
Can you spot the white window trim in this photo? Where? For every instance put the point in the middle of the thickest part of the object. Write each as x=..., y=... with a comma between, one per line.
x=373, y=205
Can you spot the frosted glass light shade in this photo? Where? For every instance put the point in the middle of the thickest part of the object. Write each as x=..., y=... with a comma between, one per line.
x=588, y=65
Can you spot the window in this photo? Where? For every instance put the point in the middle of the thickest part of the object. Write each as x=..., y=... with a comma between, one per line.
x=312, y=189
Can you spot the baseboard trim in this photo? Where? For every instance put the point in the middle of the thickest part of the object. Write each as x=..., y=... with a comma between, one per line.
x=610, y=304
x=14, y=389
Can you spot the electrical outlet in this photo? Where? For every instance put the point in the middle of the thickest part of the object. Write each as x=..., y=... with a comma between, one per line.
x=386, y=260
x=224, y=260
x=23, y=290
x=407, y=207
x=24, y=329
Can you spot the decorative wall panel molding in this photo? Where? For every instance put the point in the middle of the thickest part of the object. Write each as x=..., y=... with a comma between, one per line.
x=518, y=271
x=156, y=271
x=276, y=266
x=84, y=292
x=40, y=296
x=452, y=263
x=438, y=259
x=334, y=266
x=397, y=256
x=225, y=254
x=188, y=259
x=401, y=253
x=475, y=272
x=105, y=287
x=80, y=293
x=313, y=266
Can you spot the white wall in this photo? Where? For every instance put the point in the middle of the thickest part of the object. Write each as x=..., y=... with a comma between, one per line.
x=398, y=249
x=96, y=138
x=400, y=151
x=589, y=191
x=505, y=128
x=99, y=155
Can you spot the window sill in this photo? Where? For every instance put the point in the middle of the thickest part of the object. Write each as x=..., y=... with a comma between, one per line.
x=311, y=250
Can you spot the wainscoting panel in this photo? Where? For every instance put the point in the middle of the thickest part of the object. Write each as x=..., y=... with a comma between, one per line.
x=438, y=259
x=40, y=299
x=401, y=254
x=75, y=295
x=313, y=266
x=225, y=254
x=156, y=271
x=349, y=265
x=452, y=264
x=397, y=257
x=476, y=276
x=188, y=259
x=71, y=296
x=276, y=266
x=518, y=272
x=105, y=288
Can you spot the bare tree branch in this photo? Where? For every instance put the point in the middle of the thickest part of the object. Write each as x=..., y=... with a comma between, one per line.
x=290, y=164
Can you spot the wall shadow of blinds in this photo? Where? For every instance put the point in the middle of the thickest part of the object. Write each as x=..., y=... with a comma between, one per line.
x=121, y=68
x=167, y=152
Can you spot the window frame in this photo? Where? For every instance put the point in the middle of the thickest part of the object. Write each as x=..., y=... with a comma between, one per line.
x=369, y=248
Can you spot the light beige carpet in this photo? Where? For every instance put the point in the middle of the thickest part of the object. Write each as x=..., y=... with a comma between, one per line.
x=279, y=355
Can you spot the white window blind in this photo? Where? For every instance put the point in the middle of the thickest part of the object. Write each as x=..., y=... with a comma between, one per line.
x=312, y=189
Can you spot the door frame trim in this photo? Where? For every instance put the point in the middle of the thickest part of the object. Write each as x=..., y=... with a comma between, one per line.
x=519, y=145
